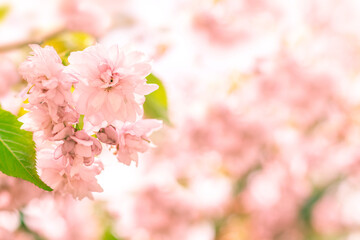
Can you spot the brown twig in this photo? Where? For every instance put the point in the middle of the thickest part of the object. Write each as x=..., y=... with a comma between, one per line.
x=37, y=40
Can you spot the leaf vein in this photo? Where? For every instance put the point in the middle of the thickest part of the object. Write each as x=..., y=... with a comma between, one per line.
x=5, y=145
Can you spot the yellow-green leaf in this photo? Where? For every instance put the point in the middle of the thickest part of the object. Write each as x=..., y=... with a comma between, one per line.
x=68, y=42
x=156, y=105
x=4, y=11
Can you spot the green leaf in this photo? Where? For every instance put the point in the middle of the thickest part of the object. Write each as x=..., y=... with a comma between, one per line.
x=4, y=10
x=308, y=205
x=108, y=235
x=241, y=183
x=24, y=228
x=105, y=221
x=67, y=42
x=155, y=105
x=17, y=151
x=80, y=124
x=305, y=212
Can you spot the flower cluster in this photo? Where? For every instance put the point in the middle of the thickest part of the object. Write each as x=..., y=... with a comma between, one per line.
x=109, y=87
x=49, y=95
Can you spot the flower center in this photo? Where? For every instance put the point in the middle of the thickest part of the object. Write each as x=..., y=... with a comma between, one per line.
x=108, y=77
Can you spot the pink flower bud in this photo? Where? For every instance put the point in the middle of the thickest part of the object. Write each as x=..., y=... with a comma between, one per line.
x=108, y=135
x=63, y=133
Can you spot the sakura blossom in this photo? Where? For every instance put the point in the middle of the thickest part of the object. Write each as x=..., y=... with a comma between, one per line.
x=78, y=180
x=134, y=139
x=111, y=83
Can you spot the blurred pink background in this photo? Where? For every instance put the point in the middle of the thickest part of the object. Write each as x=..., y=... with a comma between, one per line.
x=264, y=141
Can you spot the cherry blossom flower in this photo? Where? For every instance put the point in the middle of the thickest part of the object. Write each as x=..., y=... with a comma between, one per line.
x=78, y=180
x=48, y=93
x=134, y=139
x=45, y=74
x=77, y=148
x=39, y=121
x=108, y=135
x=111, y=84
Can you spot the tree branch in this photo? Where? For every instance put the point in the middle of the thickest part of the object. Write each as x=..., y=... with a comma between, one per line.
x=38, y=40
